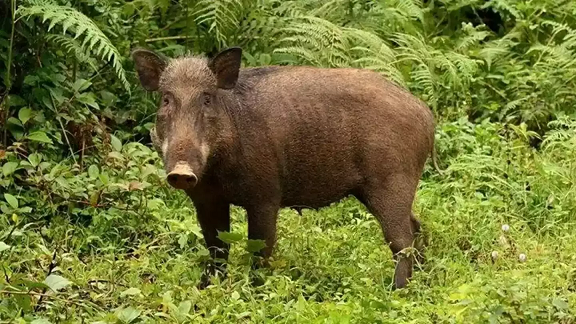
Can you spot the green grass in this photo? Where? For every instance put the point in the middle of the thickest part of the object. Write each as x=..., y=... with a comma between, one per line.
x=331, y=265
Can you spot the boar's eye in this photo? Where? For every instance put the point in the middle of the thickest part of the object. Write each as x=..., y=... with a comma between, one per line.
x=207, y=99
x=165, y=100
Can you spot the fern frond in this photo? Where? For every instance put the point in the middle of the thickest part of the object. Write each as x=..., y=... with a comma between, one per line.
x=317, y=40
x=472, y=36
x=409, y=8
x=329, y=9
x=373, y=53
x=499, y=49
x=72, y=46
x=320, y=42
x=221, y=16
x=72, y=19
x=306, y=54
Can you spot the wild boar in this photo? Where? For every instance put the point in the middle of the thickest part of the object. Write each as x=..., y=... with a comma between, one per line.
x=270, y=137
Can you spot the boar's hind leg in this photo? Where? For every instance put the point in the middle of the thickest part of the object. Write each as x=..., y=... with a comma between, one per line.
x=391, y=203
x=214, y=217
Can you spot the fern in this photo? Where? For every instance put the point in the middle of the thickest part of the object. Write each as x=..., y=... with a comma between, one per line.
x=389, y=17
x=563, y=134
x=72, y=19
x=499, y=49
x=308, y=33
x=557, y=56
x=222, y=17
x=373, y=53
x=330, y=9
x=409, y=8
x=72, y=46
x=472, y=37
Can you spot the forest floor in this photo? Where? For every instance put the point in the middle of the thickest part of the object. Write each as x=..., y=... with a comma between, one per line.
x=331, y=265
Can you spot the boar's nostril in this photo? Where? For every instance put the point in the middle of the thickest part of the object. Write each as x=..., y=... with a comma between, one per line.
x=182, y=181
x=182, y=177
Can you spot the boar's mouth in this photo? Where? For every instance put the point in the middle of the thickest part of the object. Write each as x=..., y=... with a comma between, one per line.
x=182, y=176
x=155, y=140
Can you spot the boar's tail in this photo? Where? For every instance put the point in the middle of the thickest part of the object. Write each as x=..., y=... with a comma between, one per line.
x=435, y=160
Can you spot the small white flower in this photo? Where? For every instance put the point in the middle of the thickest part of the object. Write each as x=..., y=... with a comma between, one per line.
x=494, y=255
x=522, y=257
x=505, y=228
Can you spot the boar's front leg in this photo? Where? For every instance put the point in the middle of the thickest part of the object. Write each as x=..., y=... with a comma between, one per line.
x=214, y=217
x=262, y=226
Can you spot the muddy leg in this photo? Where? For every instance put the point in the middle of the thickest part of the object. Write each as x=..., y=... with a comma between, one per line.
x=391, y=203
x=214, y=218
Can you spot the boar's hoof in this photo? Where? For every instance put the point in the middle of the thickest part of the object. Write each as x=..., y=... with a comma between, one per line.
x=210, y=270
x=403, y=272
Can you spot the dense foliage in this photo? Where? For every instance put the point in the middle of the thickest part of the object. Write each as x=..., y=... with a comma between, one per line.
x=89, y=231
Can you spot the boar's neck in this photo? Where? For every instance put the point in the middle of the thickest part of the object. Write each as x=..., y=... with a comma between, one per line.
x=240, y=145
x=229, y=150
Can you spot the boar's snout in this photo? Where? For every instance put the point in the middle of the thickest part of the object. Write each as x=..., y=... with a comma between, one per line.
x=182, y=176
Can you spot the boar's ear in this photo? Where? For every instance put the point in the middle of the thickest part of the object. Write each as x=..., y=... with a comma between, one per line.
x=149, y=66
x=226, y=66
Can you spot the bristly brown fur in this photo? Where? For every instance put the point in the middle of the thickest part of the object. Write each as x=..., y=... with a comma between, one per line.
x=280, y=136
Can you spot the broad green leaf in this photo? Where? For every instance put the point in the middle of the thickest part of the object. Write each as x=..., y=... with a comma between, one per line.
x=147, y=170
x=116, y=155
x=25, y=210
x=47, y=102
x=23, y=301
x=39, y=137
x=104, y=178
x=31, y=79
x=16, y=101
x=62, y=182
x=44, y=165
x=56, y=282
x=229, y=238
x=88, y=99
x=128, y=315
x=58, y=95
x=13, y=201
x=116, y=143
x=32, y=284
x=93, y=171
x=40, y=321
x=9, y=167
x=108, y=98
x=4, y=246
x=560, y=304
x=130, y=292
x=15, y=127
x=183, y=240
x=255, y=245
x=24, y=115
x=81, y=85
x=167, y=297
x=35, y=159
x=184, y=307
x=18, y=133
x=15, y=122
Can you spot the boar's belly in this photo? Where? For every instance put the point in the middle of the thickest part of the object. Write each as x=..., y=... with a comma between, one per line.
x=318, y=180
